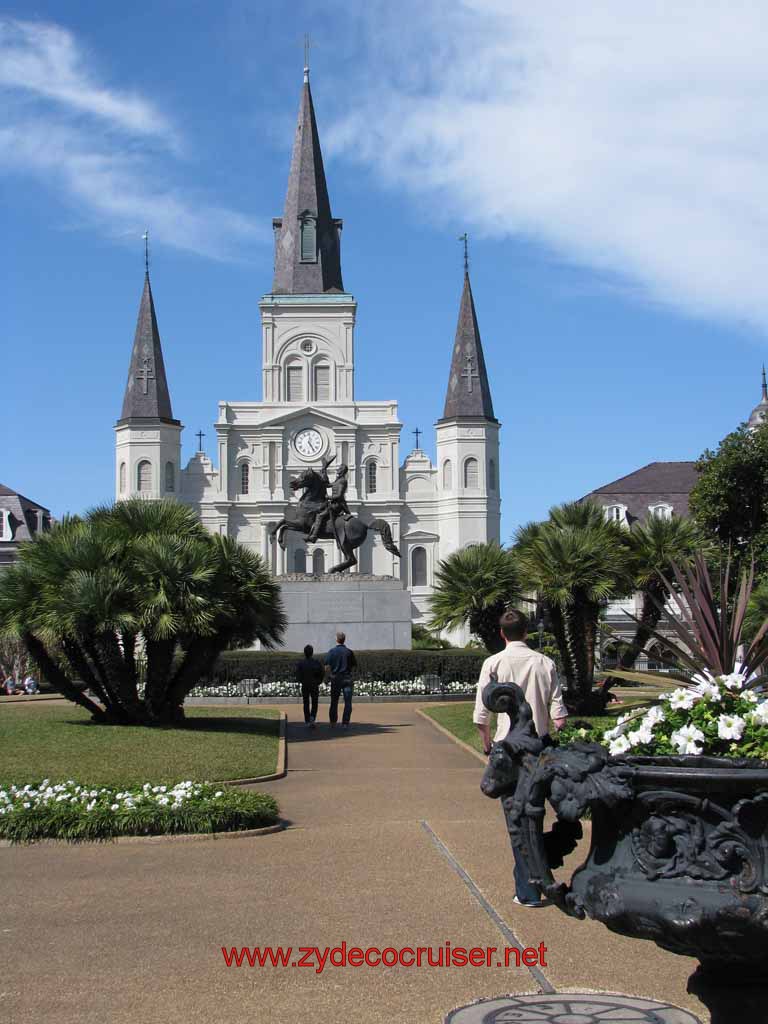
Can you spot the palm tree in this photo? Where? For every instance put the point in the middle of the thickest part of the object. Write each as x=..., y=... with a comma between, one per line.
x=82, y=595
x=575, y=561
x=655, y=546
x=475, y=586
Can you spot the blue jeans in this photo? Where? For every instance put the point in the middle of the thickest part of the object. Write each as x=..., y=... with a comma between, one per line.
x=339, y=687
x=524, y=890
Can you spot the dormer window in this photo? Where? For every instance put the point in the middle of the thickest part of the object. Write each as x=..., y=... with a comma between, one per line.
x=616, y=514
x=6, y=533
x=308, y=237
x=662, y=510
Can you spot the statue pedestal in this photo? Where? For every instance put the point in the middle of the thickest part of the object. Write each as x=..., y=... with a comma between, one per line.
x=374, y=611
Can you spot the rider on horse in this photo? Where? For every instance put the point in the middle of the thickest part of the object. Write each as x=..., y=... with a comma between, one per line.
x=336, y=505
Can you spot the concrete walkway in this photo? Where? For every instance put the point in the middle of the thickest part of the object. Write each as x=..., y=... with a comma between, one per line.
x=390, y=843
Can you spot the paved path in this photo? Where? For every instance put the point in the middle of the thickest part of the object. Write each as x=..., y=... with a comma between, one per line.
x=383, y=819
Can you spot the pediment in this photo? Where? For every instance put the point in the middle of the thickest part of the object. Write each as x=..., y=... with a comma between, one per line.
x=312, y=412
x=420, y=535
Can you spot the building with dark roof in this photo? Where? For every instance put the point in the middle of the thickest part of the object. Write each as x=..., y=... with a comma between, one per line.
x=660, y=488
x=20, y=519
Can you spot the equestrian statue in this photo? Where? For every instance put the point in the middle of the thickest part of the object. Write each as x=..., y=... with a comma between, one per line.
x=320, y=516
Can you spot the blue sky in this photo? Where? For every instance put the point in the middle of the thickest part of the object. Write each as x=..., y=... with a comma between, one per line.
x=608, y=164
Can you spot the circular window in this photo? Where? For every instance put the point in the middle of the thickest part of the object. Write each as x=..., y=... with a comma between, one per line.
x=307, y=346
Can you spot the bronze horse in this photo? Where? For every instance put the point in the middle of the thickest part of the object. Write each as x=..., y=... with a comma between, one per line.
x=348, y=532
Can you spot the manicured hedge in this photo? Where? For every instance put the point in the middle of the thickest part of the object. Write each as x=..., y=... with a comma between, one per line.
x=386, y=666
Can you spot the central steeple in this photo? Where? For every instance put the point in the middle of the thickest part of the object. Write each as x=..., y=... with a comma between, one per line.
x=307, y=243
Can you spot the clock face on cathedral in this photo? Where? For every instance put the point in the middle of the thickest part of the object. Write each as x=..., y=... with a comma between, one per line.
x=309, y=443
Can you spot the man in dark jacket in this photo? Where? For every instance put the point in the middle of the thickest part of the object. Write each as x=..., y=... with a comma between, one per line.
x=309, y=672
x=339, y=662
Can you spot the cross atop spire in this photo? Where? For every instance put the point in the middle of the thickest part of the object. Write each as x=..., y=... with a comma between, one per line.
x=307, y=242
x=145, y=239
x=307, y=44
x=465, y=239
x=469, y=393
x=146, y=391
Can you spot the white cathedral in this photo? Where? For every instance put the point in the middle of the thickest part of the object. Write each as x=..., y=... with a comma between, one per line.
x=309, y=410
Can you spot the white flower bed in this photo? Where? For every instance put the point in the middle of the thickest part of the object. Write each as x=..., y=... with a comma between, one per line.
x=362, y=687
x=90, y=799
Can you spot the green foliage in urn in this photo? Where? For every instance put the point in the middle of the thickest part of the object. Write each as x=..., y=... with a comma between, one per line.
x=86, y=595
x=474, y=586
x=708, y=624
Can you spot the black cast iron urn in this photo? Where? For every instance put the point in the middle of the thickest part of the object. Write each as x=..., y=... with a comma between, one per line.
x=679, y=850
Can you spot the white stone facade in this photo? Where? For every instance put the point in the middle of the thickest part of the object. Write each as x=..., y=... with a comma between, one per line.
x=309, y=384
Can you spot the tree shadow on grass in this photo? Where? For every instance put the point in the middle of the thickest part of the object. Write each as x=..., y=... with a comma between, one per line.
x=251, y=725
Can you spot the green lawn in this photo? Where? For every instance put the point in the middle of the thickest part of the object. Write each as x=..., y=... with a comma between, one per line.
x=60, y=743
x=457, y=718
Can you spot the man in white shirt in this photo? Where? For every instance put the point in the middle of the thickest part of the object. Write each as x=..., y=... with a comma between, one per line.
x=536, y=675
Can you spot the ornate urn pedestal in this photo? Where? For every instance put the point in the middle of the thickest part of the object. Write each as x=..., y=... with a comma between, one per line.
x=679, y=850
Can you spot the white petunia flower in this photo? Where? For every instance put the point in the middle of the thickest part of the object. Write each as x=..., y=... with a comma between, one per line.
x=619, y=746
x=688, y=740
x=654, y=716
x=733, y=681
x=710, y=690
x=683, y=699
x=730, y=727
x=751, y=696
x=114, y=807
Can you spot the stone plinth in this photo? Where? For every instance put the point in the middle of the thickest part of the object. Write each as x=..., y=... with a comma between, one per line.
x=374, y=611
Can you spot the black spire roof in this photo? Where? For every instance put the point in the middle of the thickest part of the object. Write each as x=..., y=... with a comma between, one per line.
x=146, y=393
x=307, y=244
x=469, y=393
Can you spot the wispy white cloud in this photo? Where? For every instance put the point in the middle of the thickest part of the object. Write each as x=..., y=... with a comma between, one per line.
x=111, y=152
x=630, y=138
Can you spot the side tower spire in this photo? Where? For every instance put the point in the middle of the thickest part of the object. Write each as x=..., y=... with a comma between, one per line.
x=467, y=437
x=307, y=243
x=469, y=393
x=147, y=437
x=146, y=391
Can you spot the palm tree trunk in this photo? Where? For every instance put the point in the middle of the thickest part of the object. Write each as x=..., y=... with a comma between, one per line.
x=159, y=670
x=485, y=624
x=650, y=615
x=578, y=630
x=198, y=661
x=557, y=621
x=59, y=679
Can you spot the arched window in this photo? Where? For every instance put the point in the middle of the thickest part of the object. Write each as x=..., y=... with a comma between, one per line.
x=322, y=383
x=144, y=476
x=418, y=567
x=294, y=388
x=471, y=473
x=170, y=477
x=661, y=511
x=447, y=475
x=245, y=478
x=318, y=562
x=300, y=560
x=122, y=478
x=616, y=514
x=308, y=238
x=370, y=477
x=491, y=475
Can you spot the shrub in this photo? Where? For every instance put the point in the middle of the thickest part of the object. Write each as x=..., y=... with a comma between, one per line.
x=385, y=666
